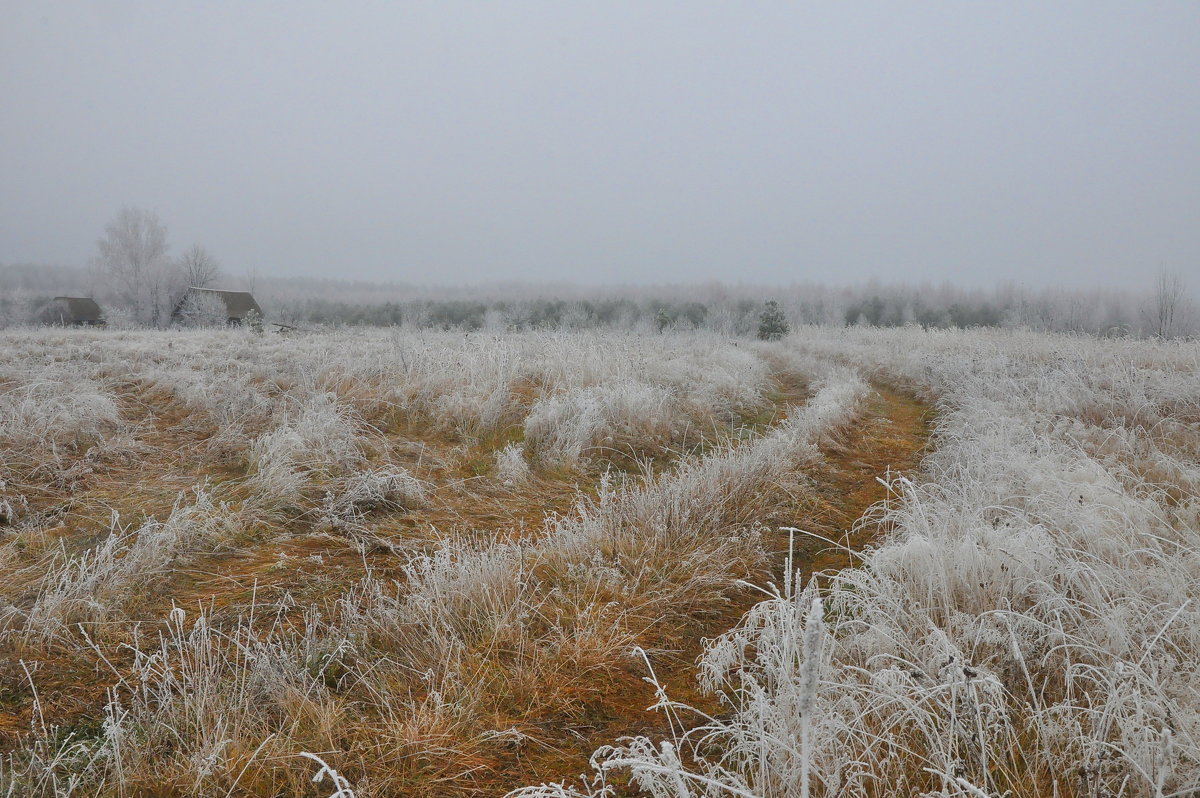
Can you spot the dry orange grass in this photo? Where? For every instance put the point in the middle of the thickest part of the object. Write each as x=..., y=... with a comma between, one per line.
x=464, y=638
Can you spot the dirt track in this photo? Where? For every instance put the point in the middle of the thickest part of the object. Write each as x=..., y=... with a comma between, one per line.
x=892, y=436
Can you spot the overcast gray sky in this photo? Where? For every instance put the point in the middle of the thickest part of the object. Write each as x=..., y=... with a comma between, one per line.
x=452, y=142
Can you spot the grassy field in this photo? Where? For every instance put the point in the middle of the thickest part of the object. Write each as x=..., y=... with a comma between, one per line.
x=853, y=562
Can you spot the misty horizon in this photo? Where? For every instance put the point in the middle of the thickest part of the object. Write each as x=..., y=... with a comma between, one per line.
x=94, y=277
x=439, y=144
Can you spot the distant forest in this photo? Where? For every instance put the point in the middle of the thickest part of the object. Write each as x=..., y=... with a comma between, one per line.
x=1164, y=308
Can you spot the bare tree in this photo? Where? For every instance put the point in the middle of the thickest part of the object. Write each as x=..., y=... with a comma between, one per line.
x=1169, y=292
x=198, y=268
x=133, y=253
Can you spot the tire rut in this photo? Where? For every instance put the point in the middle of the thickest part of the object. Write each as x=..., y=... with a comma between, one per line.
x=891, y=438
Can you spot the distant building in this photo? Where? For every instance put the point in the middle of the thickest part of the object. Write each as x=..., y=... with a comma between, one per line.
x=70, y=311
x=238, y=304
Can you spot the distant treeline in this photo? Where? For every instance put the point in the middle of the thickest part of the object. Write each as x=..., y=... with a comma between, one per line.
x=1099, y=313
x=1164, y=307
x=739, y=317
x=534, y=314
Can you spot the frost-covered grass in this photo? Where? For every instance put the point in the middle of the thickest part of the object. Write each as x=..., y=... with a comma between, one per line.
x=55, y=409
x=1029, y=625
x=59, y=385
x=220, y=457
x=89, y=586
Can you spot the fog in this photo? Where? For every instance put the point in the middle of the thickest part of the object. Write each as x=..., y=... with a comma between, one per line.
x=441, y=143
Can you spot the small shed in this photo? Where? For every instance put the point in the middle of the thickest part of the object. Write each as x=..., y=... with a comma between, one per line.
x=70, y=311
x=238, y=304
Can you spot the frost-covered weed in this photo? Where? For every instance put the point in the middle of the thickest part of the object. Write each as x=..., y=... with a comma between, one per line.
x=90, y=586
x=368, y=490
x=453, y=600
x=511, y=468
x=218, y=395
x=198, y=706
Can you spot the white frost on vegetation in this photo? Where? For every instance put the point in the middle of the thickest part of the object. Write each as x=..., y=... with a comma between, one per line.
x=1030, y=625
x=562, y=426
x=90, y=586
x=511, y=467
x=55, y=409
x=317, y=439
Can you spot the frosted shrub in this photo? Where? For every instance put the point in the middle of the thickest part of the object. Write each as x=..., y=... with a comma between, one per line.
x=201, y=309
x=621, y=416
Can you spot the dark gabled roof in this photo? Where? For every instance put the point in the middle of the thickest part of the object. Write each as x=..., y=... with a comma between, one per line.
x=83, y=308
x=237, y=303
x=70, y=310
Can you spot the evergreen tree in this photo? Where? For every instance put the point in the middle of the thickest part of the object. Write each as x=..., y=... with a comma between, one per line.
x=772, y=324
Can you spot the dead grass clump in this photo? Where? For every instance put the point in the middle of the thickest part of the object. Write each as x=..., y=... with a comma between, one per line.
x=200, y=712
x=364, y=491
x=631, y=416
x=90, y=587
x=65, y=411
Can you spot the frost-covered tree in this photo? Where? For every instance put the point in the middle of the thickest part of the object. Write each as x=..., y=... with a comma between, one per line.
x=201, y=309
x=1169, y=293
x=772, y=324
x=133, y=255
x=198, y=268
